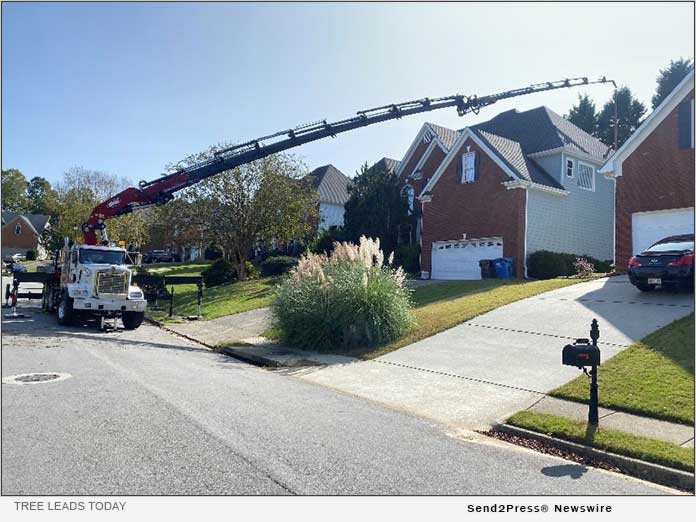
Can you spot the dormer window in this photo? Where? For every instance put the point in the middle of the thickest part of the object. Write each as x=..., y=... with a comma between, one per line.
x=469, y=167
x=570, y=168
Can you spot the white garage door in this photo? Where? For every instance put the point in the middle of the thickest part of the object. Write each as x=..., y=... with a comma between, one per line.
x=649, y=227
x=460, y=259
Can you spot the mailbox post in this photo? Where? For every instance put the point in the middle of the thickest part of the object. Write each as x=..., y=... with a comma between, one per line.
x=582, y=354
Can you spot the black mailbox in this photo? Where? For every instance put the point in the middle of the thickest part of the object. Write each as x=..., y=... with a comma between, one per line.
x=580, y=354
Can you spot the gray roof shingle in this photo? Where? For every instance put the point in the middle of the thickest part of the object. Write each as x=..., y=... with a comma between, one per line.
x=447, y=136
x=515, y=135
x=38, y=221
x=331, y=184
x=388, y=164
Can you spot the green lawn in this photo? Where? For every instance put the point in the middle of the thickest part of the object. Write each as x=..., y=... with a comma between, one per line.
x=653, y=377
x=614, y=441
x=220, y=300
x=186, y=268
x=440, y=306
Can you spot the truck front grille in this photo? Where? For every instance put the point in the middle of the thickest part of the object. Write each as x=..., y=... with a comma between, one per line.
x=112, y=282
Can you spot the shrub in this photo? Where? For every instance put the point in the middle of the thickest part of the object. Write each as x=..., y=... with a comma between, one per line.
x=350, y=299
x=408, y=257
x=277, y=265
x=220, y=272
x=583, y=267
x=212, y=252
x=543, y=264
x=324, y=244
x=30, y=255
x=251, y=271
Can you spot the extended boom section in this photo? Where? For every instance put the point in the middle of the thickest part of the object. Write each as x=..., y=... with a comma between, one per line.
x=162, y=190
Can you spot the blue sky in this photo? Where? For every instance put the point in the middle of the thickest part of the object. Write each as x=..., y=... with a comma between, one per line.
x=127, y=88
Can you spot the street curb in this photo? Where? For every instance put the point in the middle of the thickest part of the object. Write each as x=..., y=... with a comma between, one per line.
x=163, y=326
x=256, y=360
x=638, y=468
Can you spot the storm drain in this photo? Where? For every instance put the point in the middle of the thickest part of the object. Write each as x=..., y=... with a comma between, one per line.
x=35, y=378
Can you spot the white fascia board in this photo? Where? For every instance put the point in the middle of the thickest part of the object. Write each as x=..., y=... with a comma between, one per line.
x=463, y=136
x=613, y=165
x=414, y=145
x=524, y=184
x=570, y=152
x=435, y=143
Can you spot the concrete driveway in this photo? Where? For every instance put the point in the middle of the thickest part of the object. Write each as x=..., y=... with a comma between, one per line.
x=482, y=371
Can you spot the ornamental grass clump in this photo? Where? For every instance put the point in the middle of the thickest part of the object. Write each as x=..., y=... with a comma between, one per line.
x=351, y=299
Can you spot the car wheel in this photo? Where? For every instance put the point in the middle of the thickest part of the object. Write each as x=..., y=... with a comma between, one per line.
x=65, y=310
x=644, y=287
x=132, y=320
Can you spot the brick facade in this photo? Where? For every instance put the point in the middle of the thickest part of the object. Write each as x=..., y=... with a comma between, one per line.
x=25, y=240
x=484, y=208
x=658, y=175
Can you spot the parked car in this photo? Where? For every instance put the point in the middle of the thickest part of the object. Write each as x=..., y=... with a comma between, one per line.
x=15, y=258
x=669, y=262
x=160, y=256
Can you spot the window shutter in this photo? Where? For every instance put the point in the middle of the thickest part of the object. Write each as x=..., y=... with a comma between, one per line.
x=477, y=163
x=685, y=125
x=460, y=169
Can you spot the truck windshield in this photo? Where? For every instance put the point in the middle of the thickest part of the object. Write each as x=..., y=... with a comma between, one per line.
x=107, y=257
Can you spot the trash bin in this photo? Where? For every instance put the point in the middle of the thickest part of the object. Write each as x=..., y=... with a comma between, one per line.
x=503, y=267
x=487, y=269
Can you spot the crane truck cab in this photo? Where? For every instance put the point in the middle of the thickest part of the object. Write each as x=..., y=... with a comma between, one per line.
x=92, y=280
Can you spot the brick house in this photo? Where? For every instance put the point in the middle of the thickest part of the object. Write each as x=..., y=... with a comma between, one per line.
x=654, y=173
x=332, y=186
x=21, y=233
x=507, y=187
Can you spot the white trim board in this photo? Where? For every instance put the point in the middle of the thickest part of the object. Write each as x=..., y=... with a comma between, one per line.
x=414, y=145
x=463, y=136
x=426, y=155
x=613, y=166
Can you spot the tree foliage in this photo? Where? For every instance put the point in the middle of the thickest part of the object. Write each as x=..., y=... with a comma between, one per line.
x=42, y=197
x=14, y=191
x=630, y=114
x=79, y=191
x=263, y=200
x=376, y=208
x=584, y=115
x=669, y=78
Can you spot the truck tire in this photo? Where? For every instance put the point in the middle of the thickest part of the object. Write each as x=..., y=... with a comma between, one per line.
x=131, y=320
x=65, y=310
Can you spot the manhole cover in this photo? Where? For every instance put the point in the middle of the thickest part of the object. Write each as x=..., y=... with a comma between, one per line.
x=35, y=378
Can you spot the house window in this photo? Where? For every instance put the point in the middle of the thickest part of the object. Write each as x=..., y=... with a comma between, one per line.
x=18, y=229
x=585, y=176
x=410, y=194
x=570, y=168
x=469, y=167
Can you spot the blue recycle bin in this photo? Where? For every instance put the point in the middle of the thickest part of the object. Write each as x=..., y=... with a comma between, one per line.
x=503, y=267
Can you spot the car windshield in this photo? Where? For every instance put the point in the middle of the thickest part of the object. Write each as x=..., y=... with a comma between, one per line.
x=107, y=257
x=672, y=246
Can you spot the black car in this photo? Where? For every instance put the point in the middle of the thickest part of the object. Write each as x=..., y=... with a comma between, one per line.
x=669, y=262
x=160, y=256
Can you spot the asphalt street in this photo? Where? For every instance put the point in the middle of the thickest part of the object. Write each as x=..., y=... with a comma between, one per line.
x=145, y=412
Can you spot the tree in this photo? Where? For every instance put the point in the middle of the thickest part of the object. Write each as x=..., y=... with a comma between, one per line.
x=14, y=191
x=263, y=200
x=670, y=77
x=376, y=207
x=76, y=195
x=630, y=113
x=584, y=115
x=42, y=197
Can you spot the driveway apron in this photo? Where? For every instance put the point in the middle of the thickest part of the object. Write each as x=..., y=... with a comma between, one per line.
x=482, y=371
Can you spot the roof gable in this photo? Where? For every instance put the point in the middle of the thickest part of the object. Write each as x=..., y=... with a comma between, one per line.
x=331, y=184
x=429, y=132
x=613, y=165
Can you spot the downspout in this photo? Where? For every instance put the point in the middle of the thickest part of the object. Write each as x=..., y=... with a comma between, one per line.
x=526, y=201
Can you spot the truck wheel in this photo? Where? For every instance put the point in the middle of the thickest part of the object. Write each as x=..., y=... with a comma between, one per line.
x=65, y=310
x=131, y=320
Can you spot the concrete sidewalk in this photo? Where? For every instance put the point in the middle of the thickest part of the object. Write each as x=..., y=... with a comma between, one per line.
x=225, y=329
x=679, y=434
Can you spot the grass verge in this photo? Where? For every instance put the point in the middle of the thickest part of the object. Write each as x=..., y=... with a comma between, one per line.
x=220, y=300
x=653, y=377
x=614, y=441
x=440, y=306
